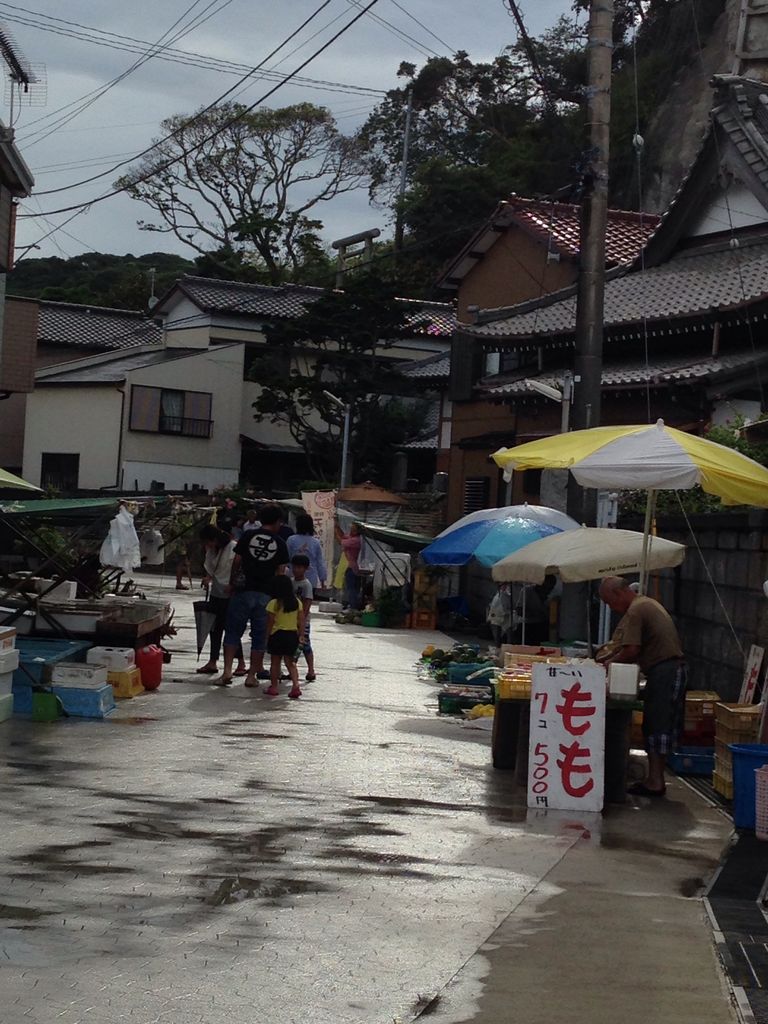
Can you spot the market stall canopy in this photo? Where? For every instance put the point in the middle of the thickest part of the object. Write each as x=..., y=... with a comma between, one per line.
x=586, y=554
x=399, y=540
x=11, y=482
x=492, y=533
x=58, y=509
x=370, y=494
x=648, y=457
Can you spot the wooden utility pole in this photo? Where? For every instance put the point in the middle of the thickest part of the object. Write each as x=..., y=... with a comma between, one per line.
x=594, y=218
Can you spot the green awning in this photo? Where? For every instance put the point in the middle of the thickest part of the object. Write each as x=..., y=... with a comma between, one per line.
x=58, y=508
x=401, y=540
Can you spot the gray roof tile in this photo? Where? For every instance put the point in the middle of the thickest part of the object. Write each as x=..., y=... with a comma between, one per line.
x=437, y=368
x=114, y=369
x=96, y=327
x=693, y=283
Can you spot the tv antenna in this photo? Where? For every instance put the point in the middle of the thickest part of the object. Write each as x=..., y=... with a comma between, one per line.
x=26, y=84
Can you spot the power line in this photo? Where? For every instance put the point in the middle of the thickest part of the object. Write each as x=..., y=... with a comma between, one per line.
x=449, y=48
x=394, y=30
x=80, y=207
x=85, y=102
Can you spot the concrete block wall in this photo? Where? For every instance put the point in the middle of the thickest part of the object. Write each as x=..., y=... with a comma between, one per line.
x=733, y=551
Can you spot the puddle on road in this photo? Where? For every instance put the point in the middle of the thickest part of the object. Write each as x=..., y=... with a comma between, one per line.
x=238, y=888
x=131, y=720
x=8, y=912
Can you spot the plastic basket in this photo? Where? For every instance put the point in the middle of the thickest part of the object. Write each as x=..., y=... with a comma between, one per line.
x=746, y=759
x=761, y=802
x=742, y=717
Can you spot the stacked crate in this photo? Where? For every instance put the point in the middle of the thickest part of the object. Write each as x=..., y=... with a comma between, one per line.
x=699, y=720
x=734, y=723
x=424, y=610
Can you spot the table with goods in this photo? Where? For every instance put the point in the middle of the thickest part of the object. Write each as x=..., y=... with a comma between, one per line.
x=497, y=685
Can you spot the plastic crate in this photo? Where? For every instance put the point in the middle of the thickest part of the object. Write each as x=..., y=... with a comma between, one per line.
x=724, y=768
x=126, y=684
x=370, y=619
x=742, y=717
x=761, y=803
x=692, y=761
x=723, y=751
x=746, y=758
x=421, y=619
x=722, y=786
x=733, y=735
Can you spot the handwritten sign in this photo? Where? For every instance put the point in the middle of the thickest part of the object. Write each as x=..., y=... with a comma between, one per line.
x=567, y=737
x=321, y=505
x=751, y=674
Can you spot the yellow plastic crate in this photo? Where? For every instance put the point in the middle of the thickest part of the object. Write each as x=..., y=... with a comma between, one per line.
x=739, y=717
x=722, y=786
x=126, y=683
x=724, y=768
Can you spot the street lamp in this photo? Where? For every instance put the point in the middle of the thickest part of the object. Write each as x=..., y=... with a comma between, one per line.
x=346, y=409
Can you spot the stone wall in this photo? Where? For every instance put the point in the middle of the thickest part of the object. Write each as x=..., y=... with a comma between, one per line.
x=733, y=549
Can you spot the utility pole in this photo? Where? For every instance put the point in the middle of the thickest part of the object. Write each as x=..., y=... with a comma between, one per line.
x=403, y=171
x=588, y=366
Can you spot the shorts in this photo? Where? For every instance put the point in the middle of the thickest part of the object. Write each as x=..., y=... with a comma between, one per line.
x=664, y=705
x=284, y=643
x=247, y=606
x=306, y=648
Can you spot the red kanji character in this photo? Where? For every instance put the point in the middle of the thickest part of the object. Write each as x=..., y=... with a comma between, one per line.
x=570, y=711
x=568, y=767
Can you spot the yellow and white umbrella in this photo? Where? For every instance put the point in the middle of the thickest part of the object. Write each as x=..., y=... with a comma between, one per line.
x=655, y=457
x=650, y=457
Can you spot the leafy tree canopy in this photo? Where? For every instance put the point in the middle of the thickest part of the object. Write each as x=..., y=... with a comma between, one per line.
x=233, y=181
x=343, y=345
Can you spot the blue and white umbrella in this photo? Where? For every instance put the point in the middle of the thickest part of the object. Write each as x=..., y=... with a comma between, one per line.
x=493, y=533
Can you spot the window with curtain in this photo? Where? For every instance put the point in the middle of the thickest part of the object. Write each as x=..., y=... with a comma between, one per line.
x=171, y=411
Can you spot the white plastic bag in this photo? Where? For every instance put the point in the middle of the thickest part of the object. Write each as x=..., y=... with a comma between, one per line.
x=121, y=548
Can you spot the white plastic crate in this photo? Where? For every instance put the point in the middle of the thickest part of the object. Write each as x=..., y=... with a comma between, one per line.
x=117, y=659
x=9, y=660
x=761, y=802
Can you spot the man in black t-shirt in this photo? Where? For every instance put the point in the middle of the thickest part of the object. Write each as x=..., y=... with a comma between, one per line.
x=259, y=556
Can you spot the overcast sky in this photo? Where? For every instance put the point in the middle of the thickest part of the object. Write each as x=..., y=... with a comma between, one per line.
x=124, y=120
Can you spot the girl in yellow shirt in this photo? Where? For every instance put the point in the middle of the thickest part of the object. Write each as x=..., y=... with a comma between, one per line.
x=285, y=632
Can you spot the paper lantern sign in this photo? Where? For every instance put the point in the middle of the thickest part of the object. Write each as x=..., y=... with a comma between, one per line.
x=567, y=738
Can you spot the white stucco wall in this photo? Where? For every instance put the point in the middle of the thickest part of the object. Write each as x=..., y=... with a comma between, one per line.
x=141, y=475
x=742, y=209
x=75, y=419
x=218, y=371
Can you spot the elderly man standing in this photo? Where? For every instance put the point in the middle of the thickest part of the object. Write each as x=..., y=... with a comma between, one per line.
x=647, y=636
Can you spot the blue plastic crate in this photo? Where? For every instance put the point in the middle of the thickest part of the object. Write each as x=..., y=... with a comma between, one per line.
x=86, y=702
x=34, y=655
x=746, y=757
x=458, y=673
x=692, y=760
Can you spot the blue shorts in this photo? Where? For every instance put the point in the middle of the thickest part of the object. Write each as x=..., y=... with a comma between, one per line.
x=307, y=647
x=247, y=606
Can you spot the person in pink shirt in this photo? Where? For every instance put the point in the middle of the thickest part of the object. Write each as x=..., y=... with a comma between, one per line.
x=351, y=544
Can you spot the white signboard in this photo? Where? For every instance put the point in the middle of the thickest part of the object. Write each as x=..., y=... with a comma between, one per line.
x=751, y=674
x=321, y=505
x=567, y=739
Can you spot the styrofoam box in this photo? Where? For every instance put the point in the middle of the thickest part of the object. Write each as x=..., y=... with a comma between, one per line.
x=6, y=706
x=78, y=673
x=6, y=683
x=7, y=637
x=64, y=591
x=117, y=659
x=9, y=660
x=78, y=684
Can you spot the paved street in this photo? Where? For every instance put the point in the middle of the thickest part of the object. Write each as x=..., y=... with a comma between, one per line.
x=209, y=855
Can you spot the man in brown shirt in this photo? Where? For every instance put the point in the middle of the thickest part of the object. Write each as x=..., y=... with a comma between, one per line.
x=646, y=636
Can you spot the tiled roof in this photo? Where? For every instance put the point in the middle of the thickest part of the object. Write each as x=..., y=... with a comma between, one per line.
x=555, y=226
x=437, y=368
x=289, y=301
x=112, y=370
x=693, y=283
x=658, y=372
x=96, y=327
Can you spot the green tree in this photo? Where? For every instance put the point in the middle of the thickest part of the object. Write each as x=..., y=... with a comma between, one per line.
x=229, y=180
x=342, y=344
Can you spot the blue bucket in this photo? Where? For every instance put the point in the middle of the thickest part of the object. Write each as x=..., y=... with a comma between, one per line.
x=746, y=758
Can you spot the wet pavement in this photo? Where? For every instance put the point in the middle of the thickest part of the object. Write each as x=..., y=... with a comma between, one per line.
x=217, y=855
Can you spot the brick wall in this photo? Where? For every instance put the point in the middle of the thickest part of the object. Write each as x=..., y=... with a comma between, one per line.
x=19, y=346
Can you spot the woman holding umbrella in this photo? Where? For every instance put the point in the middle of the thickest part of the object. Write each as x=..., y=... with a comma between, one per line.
x=219, y=553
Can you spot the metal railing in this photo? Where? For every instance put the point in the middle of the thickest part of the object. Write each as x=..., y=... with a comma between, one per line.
x=185, y=427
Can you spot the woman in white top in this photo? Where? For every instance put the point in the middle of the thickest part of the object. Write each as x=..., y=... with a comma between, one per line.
x=304, y=542
x=219, y=553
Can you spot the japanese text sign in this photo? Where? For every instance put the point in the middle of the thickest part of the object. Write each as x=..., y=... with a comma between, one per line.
x=567, y=737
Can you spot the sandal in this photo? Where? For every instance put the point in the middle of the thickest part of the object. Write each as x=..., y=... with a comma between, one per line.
x=310, y=677
x=640, y=789
x=223, y=681
x=273, y=691
x=251, y=685
x=295, y=694
x=240, y=672
x=205, y=671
